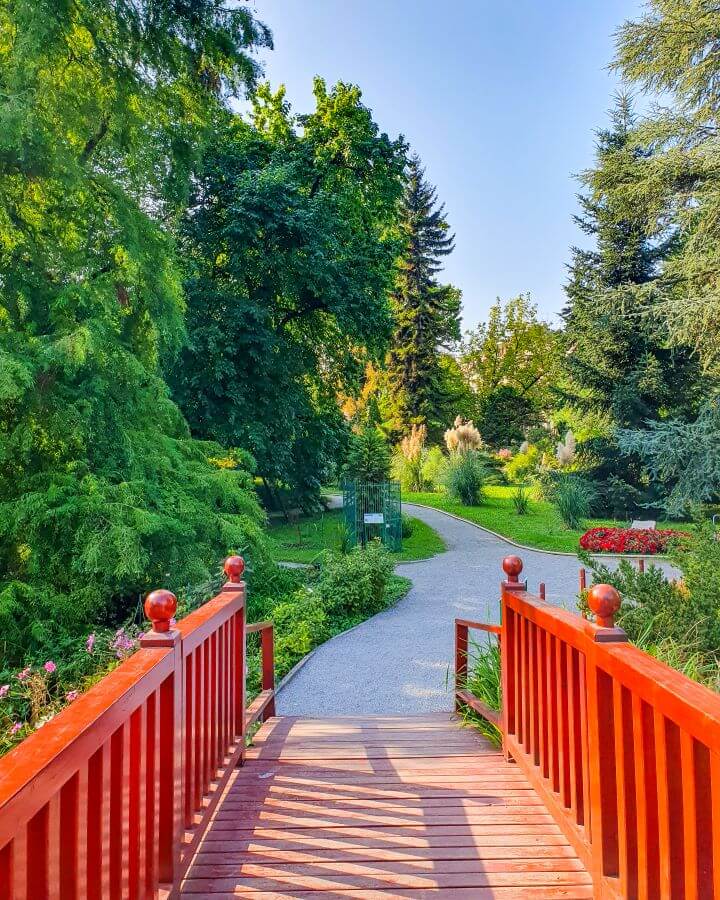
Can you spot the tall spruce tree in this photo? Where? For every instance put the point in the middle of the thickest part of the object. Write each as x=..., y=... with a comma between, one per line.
x=618, y=357
x=427, y=313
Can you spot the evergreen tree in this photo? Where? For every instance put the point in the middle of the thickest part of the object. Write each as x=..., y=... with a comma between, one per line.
x=618, y=358
x=427, y=313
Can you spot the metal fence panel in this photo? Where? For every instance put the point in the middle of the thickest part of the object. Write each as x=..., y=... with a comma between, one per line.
x=373, y=511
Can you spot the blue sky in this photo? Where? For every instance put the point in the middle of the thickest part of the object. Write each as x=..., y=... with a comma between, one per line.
x=499, y=97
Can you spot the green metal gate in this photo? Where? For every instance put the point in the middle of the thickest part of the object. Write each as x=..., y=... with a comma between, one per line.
x=373, y=511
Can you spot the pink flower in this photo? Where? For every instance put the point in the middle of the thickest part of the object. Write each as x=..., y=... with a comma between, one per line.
x=72, y=695
x=505, y=453
x=24, y=675
x=50, y=666
x=16, y=727
x=4, y=689
x=90, y=643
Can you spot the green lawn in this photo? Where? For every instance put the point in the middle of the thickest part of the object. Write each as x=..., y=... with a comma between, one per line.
x=302, y=543
x=541, y=527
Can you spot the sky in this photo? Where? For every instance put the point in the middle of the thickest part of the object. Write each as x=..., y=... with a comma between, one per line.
x=500, y=98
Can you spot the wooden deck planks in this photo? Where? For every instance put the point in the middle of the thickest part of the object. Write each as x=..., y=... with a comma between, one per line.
x=366, y=807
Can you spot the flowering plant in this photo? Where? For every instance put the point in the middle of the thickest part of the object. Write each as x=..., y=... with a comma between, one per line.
x=33, y=695
x=630, y=540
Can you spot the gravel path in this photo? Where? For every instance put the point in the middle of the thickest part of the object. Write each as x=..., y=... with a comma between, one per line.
x=399, y=661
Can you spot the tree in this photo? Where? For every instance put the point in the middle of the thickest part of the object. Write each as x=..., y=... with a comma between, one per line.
x=617, y=356
x=510, y=364
x=290, y=252
x=368, y=457
x=103, y=493
x=671, y=50
x=427, y=314
x=674, y=191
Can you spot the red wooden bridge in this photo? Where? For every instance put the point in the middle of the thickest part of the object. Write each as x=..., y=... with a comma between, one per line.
x=607, y=784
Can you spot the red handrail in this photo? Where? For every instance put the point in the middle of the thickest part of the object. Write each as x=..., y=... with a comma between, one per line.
x=111, y=797
x=624, y=750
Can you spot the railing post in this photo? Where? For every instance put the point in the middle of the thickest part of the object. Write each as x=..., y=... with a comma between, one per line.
x=267, y=649
x=604, y=601
x=512, y=567
x=461, y=659
x=160, y=608
x=234, y=568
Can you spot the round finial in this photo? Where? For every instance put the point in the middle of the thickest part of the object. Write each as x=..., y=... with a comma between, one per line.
x=234, y=568
x=512, y=566
x=160, y=607
x=604, y=601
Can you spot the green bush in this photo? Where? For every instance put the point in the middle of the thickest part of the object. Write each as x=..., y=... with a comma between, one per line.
x=465, y=475
x=522, y=465
x=573, y=497
x=434, y=463
x=354, y=585
x=407, y=526
x=667, y=619
x=300, y=623
x=407, y=471
x=521, y=501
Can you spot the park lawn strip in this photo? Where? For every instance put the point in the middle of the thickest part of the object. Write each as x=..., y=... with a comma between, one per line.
x=302, y=543
x=540, y=528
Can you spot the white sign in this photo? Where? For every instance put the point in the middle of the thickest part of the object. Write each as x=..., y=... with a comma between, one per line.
x=373, y=518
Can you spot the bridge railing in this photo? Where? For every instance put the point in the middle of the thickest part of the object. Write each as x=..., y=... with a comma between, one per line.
x=624, y=750
x=110, y=798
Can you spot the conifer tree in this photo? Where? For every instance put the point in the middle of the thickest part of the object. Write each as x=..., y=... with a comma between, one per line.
x=427, y=313
x=617, y=356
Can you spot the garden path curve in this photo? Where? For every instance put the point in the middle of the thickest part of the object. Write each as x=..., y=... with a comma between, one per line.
x=400, y=660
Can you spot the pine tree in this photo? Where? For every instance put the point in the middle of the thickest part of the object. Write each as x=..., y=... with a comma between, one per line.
x=427, y=313
x=618, y=356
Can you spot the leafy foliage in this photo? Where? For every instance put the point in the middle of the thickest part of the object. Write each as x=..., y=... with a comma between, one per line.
x=290, y=246
x=103, y=493
x=512, y=359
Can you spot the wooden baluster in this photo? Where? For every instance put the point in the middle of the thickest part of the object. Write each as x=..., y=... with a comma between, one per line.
x=541, y=590
x=604, y=601
x=461, y=659
x=268, y=668
x=160, y=608
x=234, y=568
x=583, y=580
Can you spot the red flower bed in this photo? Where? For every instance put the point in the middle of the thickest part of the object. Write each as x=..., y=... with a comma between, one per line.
x=629, y=540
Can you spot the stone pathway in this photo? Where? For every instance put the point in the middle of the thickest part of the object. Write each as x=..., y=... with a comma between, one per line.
x=400, y=661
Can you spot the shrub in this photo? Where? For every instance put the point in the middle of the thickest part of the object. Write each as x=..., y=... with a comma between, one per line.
x=432, y=468
x=368, y=457
x=408, y=459
x=698, y=558
x=354, y=584
x=521, y=501
x=463, y=437
x=573, y=498
x=664, y=617
x=300, y=623
x=407, y=526
x=523, y=464
x=566, y=450
x=629, y=540
x=464, y=478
